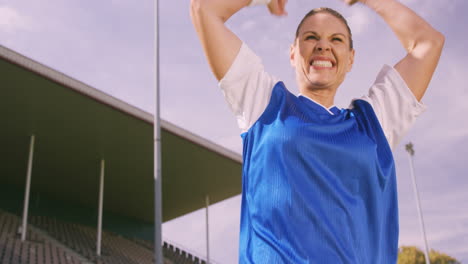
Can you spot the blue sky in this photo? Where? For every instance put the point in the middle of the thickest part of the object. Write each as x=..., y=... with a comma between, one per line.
x=108, y=44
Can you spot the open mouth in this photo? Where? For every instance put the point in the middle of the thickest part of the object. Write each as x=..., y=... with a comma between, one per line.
x=321, y=63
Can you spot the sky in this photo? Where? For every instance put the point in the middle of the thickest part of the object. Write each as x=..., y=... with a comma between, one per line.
x=108, y=44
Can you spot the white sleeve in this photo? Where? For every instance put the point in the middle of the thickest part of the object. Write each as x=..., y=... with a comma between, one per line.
x=247, y=87
x=394, y=104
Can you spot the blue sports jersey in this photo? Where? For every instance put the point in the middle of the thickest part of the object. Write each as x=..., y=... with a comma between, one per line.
x=317, y=188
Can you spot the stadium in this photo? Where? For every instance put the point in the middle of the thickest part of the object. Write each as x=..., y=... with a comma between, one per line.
x=67, y=136
x=77, y=172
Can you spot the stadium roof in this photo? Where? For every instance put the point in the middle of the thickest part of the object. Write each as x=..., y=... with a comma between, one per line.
x=75, y=126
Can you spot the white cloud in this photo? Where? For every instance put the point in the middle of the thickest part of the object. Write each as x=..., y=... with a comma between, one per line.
x=427, y=9
x=445, y=220
x=11, y=20
x=248, y=25
x=359, y=20
x=446, y=100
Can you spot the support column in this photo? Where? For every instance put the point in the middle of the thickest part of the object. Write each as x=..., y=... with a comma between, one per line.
x=24, y=225
x=207, y=201
x=101, y=198
x=158, y=253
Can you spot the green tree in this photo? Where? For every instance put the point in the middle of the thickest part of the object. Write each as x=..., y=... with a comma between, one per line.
x=441, y=258
x=413, y=255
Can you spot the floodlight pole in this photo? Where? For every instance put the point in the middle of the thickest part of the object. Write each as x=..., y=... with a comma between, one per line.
x=410, y=150
x=158, y=257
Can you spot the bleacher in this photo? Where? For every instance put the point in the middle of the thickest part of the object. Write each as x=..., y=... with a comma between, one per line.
x=173, y=253
x=52, y=241
x=179, y=256
x=37, y=249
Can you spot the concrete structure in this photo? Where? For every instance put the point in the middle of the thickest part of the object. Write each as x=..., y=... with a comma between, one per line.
x=75, y=126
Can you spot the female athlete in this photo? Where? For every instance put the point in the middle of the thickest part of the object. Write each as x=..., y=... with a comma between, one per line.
x=319, y=182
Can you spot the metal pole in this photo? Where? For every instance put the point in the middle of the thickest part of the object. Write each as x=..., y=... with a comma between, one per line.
x=207, y=200
x=157, y=148
x=101, y=198
x=410, y=150
x=28, y=188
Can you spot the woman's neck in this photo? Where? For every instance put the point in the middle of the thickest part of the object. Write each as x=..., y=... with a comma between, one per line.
x=324, y=97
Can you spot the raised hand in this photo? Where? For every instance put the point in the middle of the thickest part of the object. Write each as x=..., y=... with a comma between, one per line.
x=278, y=7
x=351, y=2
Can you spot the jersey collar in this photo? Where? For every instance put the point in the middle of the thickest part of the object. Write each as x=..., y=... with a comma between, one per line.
x=333, y=110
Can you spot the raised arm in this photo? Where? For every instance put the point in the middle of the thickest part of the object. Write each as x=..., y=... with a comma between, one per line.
x=219, y=43
x=422, y=42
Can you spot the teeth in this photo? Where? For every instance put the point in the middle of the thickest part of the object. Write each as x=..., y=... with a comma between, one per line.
x=320, y=63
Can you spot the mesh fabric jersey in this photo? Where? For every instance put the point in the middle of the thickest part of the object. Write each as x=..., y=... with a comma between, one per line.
x=317, y=187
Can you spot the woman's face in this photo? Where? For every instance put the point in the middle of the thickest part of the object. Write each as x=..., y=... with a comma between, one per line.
x=321, y=53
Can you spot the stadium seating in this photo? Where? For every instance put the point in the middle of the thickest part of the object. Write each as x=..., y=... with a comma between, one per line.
x=51, y=241
x=37, y=249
